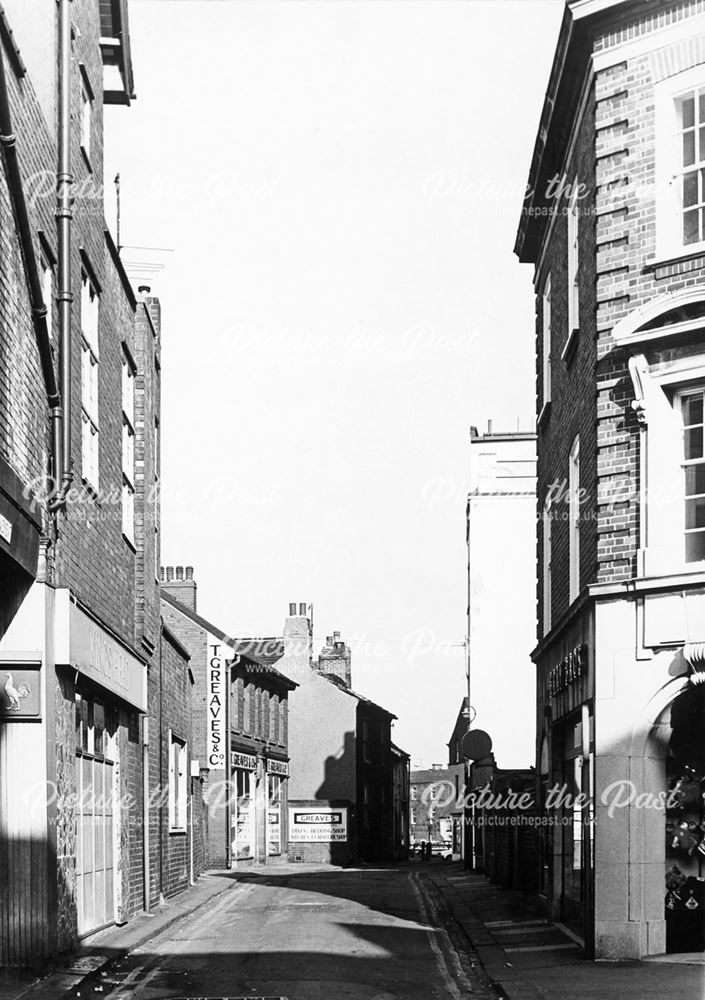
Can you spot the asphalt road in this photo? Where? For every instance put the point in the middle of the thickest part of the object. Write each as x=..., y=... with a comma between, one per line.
x=371, y=934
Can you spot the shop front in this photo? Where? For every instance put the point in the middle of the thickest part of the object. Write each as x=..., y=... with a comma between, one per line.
x=258, y=806
x=566, y=780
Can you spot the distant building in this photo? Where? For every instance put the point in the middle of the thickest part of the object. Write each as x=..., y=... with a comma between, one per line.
x=401, y=791
x=434, y=804
x=341, y=791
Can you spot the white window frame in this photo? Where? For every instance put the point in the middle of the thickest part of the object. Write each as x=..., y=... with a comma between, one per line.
x=546, y=341
x=669, y=163
x=547, y=564
x=573, y=260
x=178, y=783
x=574, y=519
x=679, y=399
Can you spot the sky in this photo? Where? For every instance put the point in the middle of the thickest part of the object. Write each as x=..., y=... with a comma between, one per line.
x=336, y=188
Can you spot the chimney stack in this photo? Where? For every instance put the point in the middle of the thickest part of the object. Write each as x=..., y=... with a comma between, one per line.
x=180, y=584
x=335, y=659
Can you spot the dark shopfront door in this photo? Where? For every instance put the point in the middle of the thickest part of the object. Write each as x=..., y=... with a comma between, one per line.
x=576, y=831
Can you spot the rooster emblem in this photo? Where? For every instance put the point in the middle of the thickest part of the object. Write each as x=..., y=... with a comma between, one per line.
x=16, y=693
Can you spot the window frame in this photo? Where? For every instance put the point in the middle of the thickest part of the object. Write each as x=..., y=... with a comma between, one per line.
x=90, y=384
x=573, y=261
x=129, y=372
x=547, y=558
x=680, y=396
x=178, y=783
x=546, y=360
x=574, y=519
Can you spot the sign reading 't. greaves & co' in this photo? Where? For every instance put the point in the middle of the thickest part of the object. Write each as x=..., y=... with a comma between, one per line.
x=215, y=706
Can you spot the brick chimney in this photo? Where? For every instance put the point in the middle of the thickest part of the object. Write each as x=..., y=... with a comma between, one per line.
x=180, y=584
x=298, y=642
x=335, y=658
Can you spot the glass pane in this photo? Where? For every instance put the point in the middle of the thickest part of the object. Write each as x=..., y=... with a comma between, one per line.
x=701, y=154
x=694, y=442
x=693, y=410
x=688, y=148
x=690, y=227
x=695, y=479
x=695, y=546
x=690, y=189
x=99, y=727
x=695, y=513
x=687, y=112
x=701, y=101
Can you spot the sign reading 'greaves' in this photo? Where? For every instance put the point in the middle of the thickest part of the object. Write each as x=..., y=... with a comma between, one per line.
x=215, y=707
x=316, y=826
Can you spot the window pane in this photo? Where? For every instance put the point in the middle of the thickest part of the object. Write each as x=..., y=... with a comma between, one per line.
x=99, y=727
x=690, y=189
x=690, y=227
x=701, y=154
x=688, y=112
x=695, y=546
x=695, y=513
x=695, y=479
x=693, y=410
x=688, y=148
x=694, y=442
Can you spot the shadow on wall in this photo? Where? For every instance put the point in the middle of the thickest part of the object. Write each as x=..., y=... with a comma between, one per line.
x=338, y=789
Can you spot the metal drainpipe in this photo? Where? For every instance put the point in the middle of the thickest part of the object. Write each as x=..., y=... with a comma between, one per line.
x=64, y=215
x=8, y=141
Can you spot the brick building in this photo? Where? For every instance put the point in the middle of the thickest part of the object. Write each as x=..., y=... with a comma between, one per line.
x=436, y=804
x=613, y=226
x=96, y=808
x=239, y=733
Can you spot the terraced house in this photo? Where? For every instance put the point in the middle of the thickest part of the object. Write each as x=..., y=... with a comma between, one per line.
x=614, y=227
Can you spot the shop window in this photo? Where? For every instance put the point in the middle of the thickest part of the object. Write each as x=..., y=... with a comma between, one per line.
x=93, y=734
x=274, y=815
x=177, y=783
x=242, y=819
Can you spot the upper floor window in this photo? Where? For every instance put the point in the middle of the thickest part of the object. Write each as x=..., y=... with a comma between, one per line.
x=574, y=519
x=573, y=259
x=47, y=277
x=690, y=113
x=547, y=557
x=89, y=382
x=546, y=342
x=86, y=111
x=691, y=409
x=680, y=163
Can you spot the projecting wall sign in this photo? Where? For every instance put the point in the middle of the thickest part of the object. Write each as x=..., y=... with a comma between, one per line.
x=215, y=705
x=20, y=691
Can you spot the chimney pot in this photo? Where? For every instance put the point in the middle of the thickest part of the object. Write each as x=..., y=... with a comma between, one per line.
x=144, y=289
x=336, y=637
x=292, y=610
x=169, y=573
x=179, y=572
x=189, y=572
x=489, y=426
x=161, y=572
x=329, y=640
x=302, y=610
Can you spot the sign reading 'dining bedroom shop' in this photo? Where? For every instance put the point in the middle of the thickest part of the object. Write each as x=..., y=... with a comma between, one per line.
x=317, y=826
x=215, y=705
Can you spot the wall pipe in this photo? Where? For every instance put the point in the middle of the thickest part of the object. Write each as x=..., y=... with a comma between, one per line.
x=8, y=141
x=64, y=216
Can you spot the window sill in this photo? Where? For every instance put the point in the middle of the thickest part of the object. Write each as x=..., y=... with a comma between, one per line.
x=682, y=257
x=571, y=344
x=544, y=414
x=91, y=490
x=178, y=831
x=129, y=542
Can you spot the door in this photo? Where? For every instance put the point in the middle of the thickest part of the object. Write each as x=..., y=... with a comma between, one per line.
x=95, y=777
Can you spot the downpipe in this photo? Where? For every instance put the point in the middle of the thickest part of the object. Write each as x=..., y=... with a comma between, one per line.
x=64, y=217
x=8, y=142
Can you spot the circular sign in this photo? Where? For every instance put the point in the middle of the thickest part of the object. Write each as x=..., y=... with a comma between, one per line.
x=476, y=744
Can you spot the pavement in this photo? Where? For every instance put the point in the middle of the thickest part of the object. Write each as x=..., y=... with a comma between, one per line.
x=422, y=931
x=529, y=958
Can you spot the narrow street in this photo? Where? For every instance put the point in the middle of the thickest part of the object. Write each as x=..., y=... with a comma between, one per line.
x=374, y=934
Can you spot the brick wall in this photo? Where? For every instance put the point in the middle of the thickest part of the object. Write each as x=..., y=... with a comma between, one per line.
x=325, y=853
